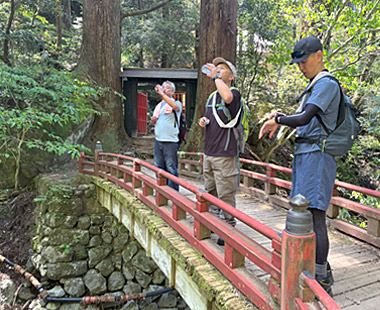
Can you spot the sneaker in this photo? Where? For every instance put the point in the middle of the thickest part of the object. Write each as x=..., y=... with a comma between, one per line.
x=220, y=242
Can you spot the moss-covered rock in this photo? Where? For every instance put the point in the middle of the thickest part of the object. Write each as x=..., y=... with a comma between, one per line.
x=96, y=254
x=64, y=270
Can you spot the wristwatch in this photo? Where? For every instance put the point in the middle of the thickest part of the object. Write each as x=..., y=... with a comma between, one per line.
x=277, y=118
x=218, y=76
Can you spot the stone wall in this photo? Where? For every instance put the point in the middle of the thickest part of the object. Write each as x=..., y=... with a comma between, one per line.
x=81, y=250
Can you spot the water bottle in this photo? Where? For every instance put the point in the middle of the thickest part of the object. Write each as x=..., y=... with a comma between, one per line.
x=156, y=89
x=205, y=70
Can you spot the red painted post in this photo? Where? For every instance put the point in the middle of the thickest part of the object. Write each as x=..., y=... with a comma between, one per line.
x=136, y=183
x=270, y=189
x=275, y=285
x=298, y=250
x=161, y=200
x=201, y=231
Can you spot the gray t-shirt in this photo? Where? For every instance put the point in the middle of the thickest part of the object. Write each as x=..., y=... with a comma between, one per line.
x=165, y=130
x=325, y=94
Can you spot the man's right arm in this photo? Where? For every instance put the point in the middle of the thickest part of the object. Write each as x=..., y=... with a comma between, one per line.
x=224, y=91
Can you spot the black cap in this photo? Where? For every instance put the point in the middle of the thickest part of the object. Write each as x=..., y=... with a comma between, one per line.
x=304, y=48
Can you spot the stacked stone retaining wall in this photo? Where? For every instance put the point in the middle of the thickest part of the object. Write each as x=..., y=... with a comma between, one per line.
x=81, y=249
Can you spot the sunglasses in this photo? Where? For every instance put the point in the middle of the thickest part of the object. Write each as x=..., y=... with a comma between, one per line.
x=297, y=54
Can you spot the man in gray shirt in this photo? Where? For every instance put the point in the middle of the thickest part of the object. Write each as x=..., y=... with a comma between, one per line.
x=166, y=131
x=313, y=171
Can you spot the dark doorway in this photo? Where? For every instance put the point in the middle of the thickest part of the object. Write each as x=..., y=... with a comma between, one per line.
x=138, y=80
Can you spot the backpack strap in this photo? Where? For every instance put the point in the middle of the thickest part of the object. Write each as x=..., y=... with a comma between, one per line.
x=175, y=118
x=209, y=99
x=341, y=104
x=309, y=88
x=232, y=122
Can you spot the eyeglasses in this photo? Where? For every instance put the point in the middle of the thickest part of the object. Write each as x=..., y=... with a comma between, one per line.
x=297, y=54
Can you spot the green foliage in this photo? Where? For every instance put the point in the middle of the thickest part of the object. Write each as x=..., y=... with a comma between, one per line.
x=370, y=103
x=33, y=35
x=361, y=165
x=349, y=31
x=167, y=34
x=352, y=218
x=36, y=105
x=262, y=29
x=66, y=248
x=57, y=193
x=366, y=200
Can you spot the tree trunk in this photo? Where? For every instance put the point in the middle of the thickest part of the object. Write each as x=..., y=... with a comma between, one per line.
x=67, y=14
x=164, y=57
x=59, y=26
x=6, y=55
x=100, y=59
x=218, y=33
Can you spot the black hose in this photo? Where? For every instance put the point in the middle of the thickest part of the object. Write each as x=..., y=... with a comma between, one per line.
x=26, y=275
x=84, y=300
x=106, y=299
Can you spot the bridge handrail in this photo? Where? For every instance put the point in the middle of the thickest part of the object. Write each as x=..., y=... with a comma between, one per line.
x=115, y=168
x=249, y=221
x=126, y=172
x=309, y=283
x=269, y=193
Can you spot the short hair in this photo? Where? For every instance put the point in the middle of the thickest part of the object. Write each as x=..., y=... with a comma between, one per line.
x=171, y=85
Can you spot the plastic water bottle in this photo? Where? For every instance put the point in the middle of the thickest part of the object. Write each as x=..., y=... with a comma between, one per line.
x=205, y=70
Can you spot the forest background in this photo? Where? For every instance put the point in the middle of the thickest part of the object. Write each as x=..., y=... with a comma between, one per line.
x=52, y=89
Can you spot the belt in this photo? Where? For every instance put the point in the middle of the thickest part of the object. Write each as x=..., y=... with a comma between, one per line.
x=307, y=140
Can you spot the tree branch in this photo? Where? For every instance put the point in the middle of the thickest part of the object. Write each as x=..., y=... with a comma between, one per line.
x=359, y=56
x=349, y=40
x=141, y=12
x=374, y=8
x=330, y=28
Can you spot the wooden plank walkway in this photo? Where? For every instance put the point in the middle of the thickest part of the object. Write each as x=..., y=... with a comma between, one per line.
x=355, y=265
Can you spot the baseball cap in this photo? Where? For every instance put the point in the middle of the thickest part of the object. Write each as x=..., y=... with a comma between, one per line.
x=304, y=48
x=220, y=60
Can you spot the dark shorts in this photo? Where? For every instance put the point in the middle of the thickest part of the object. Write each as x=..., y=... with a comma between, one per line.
x=313, y=176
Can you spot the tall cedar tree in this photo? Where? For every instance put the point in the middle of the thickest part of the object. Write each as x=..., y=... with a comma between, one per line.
x=218, y=34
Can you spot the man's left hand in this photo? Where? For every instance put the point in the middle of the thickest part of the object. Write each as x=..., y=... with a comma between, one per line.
x=269, y=125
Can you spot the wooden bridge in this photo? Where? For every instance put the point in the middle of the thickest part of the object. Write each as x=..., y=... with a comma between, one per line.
x=251, y=258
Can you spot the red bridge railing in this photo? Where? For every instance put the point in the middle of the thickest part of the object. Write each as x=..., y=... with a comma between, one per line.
x=265, y=182
x=191, y=219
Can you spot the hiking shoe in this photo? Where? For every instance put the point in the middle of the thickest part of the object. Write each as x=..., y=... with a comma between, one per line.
x=220, y=242
x=329, y=273
x=326, y=282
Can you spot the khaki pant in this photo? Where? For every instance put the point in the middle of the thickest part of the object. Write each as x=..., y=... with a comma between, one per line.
x=221, y=180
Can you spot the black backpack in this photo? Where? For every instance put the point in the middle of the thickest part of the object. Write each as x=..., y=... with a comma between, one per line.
x=182, y=127
x=340, y=140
